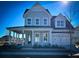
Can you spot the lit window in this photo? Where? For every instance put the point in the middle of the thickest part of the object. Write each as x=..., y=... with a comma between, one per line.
x=15, y=34
x=45, y=21
x=29, y=21
x=37, y=21
x=20, y=35
x=24, y=35
x=12, y=33
x=29, y=38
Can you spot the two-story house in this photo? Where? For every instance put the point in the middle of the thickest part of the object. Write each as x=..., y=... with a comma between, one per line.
x=41, y=28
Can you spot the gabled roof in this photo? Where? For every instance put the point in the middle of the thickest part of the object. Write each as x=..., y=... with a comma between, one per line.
x=37, y=7
x=68, y=24
x=29, y=9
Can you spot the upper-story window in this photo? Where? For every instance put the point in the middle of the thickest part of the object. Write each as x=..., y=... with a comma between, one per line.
x=37, y=21
x=45, y=21
x=60, y=23
x=29, y=21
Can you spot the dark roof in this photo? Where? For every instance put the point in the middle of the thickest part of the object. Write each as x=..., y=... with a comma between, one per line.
x=53, y=21
x=6, y=37
x=26, y=11
x=29, y=27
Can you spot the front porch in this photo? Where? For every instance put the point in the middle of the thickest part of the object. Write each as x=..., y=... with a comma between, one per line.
x=30, y=37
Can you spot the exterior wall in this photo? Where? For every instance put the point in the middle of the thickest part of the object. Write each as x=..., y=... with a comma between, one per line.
x=38, y=12
x=41, y=31
x=59, y=39
x=41, y=39
x=38, y=15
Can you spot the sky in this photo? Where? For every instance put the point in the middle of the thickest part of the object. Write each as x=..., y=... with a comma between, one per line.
x=11, y=12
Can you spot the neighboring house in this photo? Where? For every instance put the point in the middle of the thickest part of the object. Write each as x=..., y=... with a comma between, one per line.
x=41, y=28
x=4, y=40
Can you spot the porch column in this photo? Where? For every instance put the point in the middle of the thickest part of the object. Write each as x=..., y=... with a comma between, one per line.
x=32, y=38
x=50, y=37
x=23, y=38
x=41, y=38
x=9, y=37
x=18, y=36
x=14, y=37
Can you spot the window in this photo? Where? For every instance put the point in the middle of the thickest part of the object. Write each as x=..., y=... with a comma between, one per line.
x=15, y=34
x=24, y=35
x=20, y=36
x=29, y=21
x=28, y=37
x=12, y=33
x=45, y=36
x=60, y=23
x=37, y=21
x=45, y=21
x=37, y=37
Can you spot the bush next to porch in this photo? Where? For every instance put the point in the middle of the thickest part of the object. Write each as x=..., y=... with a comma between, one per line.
x=37, y=46
x=47, y=46
x=56, y=46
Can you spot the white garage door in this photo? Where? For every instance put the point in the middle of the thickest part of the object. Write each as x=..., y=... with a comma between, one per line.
x=60, y=39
